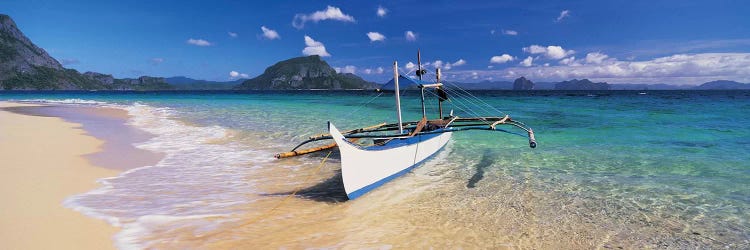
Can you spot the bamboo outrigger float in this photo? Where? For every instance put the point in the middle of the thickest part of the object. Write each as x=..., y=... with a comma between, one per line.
x=371, y=156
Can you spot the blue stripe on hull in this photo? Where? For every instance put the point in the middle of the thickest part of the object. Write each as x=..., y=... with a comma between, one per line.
x=368, y=188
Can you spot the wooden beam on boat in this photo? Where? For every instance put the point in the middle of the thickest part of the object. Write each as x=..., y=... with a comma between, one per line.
x=359, y=130
x=419, y=127
x=309, y=150
x=499, y=122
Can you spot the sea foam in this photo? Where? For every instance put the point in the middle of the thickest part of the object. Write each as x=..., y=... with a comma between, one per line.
x=202, y=176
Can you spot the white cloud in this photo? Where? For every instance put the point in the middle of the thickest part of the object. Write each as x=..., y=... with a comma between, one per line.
x=269, y=33
x=314, y=48
x=410, y=65
x=569, y=61
x=346, y=69
x=557, y=52
x=378, y=70
x=527, y=62
x=235, y=74
x=375, y=36
x=679, y=69
x=382, y=11
x=490, y=67
x=552, y=51
x=595, y=57
x=535, y=49
x=199, y=42
x=232, y=34
x=437, y=64
x=156, y=60
x=448, y=65
x=502, y=59
x=510, y=32
x=563, y=14
x=474, y=75
x=410, y=36
x=330, y=13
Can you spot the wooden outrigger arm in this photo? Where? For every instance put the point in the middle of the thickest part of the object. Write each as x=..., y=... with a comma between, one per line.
x=448, y=124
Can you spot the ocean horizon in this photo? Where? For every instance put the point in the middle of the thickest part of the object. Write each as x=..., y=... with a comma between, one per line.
x=632, y=169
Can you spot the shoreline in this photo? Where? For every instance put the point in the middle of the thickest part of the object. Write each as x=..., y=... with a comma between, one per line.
x=49, y=157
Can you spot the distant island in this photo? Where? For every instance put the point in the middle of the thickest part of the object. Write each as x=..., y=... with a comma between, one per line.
x=310, y=72
x=25, y=66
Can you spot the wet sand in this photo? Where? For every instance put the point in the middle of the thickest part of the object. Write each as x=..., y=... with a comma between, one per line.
x=107, y=124
x=49, y=153
x=42, y=164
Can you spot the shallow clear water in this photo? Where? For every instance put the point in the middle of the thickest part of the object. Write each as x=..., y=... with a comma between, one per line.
x=666, y=169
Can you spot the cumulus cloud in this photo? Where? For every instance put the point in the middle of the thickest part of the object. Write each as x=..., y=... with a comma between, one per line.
x=438, y=64
x=330, y=13
x=346, y=69
x=314, y=48
x=557, y=52
x=527, y=62
x=410, y=36
x=460, y=62
x=375, y=36
x=552, y=51
x=535, y=49
x=382, y=11
x=199, y=42
x=156, y=60
x=563, y=15
x=568, y=61
x=595, y=57
x=235, y=74
x=410, y=65
x=680, y=69
x=232, y=34
x=502, y=59
x=269, y=33
x=378, y=70
x=509, y=32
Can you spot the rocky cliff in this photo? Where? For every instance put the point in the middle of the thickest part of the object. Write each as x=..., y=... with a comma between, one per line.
x=24, y=66
x=309, y=72
x=523, y=84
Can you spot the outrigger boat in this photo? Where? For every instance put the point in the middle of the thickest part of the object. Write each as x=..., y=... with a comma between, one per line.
x=374, y=155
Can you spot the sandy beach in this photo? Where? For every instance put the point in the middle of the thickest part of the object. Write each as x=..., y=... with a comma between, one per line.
x=42, y=163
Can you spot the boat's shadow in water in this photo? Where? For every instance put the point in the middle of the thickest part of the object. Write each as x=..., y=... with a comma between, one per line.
x=485, y=162
x=331, y=190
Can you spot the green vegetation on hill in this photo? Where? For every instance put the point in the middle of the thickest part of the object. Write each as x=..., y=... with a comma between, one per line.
x=309, y=72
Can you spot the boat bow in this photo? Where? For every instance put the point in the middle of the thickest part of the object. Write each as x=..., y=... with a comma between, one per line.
x=363, y=169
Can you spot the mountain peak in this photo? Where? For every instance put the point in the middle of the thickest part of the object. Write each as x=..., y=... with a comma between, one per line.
x=307, y=72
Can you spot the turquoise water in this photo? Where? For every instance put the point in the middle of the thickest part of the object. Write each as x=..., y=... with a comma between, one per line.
x=664, y=169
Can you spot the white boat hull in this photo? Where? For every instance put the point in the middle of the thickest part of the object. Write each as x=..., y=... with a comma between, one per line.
x=364, y=169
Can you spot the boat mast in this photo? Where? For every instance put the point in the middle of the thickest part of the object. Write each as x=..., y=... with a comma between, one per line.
x=419, y=74
x=440, y=101
x=398, y=98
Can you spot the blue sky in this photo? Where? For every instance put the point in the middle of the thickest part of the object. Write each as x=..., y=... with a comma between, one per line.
x=677, y=42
